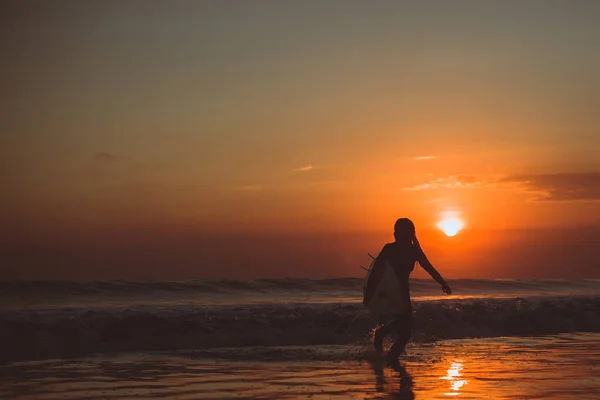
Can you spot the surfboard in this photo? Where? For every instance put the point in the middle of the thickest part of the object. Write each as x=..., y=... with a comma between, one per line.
x=381, y=291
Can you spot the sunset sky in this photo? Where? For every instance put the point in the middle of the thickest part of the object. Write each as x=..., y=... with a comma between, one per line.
x=258, y=139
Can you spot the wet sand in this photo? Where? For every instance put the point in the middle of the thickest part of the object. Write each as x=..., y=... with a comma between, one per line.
x=547, y=367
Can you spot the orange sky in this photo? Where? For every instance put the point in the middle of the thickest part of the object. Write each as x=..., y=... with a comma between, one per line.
x=126, y=126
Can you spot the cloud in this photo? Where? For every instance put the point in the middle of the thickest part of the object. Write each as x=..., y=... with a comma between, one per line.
x=424, y=158
x=560, y=186
x=449, y=182
x=305, y=168
x=566, y=186
x=108, y=157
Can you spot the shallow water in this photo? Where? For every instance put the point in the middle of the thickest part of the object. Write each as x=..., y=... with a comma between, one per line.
x=547, y=367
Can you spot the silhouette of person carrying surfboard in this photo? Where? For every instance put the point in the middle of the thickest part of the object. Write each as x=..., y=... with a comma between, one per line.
x=386, y=291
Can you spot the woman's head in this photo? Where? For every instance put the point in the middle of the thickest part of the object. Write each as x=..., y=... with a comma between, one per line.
x=404, y=230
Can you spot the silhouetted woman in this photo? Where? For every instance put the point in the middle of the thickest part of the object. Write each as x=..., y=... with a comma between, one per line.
x=401, y=256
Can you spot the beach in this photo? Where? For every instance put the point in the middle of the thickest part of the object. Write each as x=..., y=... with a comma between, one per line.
x=547, y=367
x=295, y=339
x=274, y=199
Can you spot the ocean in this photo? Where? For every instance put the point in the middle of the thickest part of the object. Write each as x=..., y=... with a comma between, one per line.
x=295, y=338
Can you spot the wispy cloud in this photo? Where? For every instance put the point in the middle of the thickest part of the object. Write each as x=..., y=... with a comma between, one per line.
x=424, y=158
x=566, y=186
x=304, y=168
x=108, y=157
x=559, y=186
x=449, y=182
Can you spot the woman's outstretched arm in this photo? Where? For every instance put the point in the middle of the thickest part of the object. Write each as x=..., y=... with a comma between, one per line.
x=427, y=266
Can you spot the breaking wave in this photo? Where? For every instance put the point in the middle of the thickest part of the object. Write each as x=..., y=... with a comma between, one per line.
x=43, y=334
x=61, y=294
x=45, y=288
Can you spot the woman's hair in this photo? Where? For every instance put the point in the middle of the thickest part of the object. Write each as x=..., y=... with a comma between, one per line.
x=404, y=231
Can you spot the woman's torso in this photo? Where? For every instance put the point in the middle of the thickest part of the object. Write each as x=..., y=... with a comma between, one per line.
x=402, y=258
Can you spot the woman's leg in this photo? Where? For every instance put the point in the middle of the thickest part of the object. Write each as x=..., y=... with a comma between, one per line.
x=403, y=326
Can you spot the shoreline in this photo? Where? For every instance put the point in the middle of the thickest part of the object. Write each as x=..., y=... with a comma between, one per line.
x=551, y=367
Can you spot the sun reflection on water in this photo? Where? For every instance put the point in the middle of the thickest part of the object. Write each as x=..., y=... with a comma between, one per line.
x=453, y=376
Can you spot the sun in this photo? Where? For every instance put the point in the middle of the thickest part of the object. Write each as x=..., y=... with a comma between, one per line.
x=451, y=224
